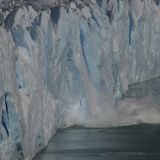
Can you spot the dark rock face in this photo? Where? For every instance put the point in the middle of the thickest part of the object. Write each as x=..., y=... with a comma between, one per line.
x=143, y=89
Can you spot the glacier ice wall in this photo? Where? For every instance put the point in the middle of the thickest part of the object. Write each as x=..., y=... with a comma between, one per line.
x=71, y=64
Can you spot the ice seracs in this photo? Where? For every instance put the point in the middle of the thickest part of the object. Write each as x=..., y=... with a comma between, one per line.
x=70, y=62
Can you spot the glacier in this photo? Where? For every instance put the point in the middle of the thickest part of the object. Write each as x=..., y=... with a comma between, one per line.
x=62, y=63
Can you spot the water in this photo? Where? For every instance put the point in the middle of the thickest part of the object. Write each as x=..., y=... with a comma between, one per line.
x=138, y=142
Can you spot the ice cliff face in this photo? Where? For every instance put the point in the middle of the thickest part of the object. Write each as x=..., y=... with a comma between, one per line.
x=71, y=64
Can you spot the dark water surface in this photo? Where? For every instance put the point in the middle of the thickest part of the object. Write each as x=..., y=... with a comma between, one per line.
x=139, y=142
